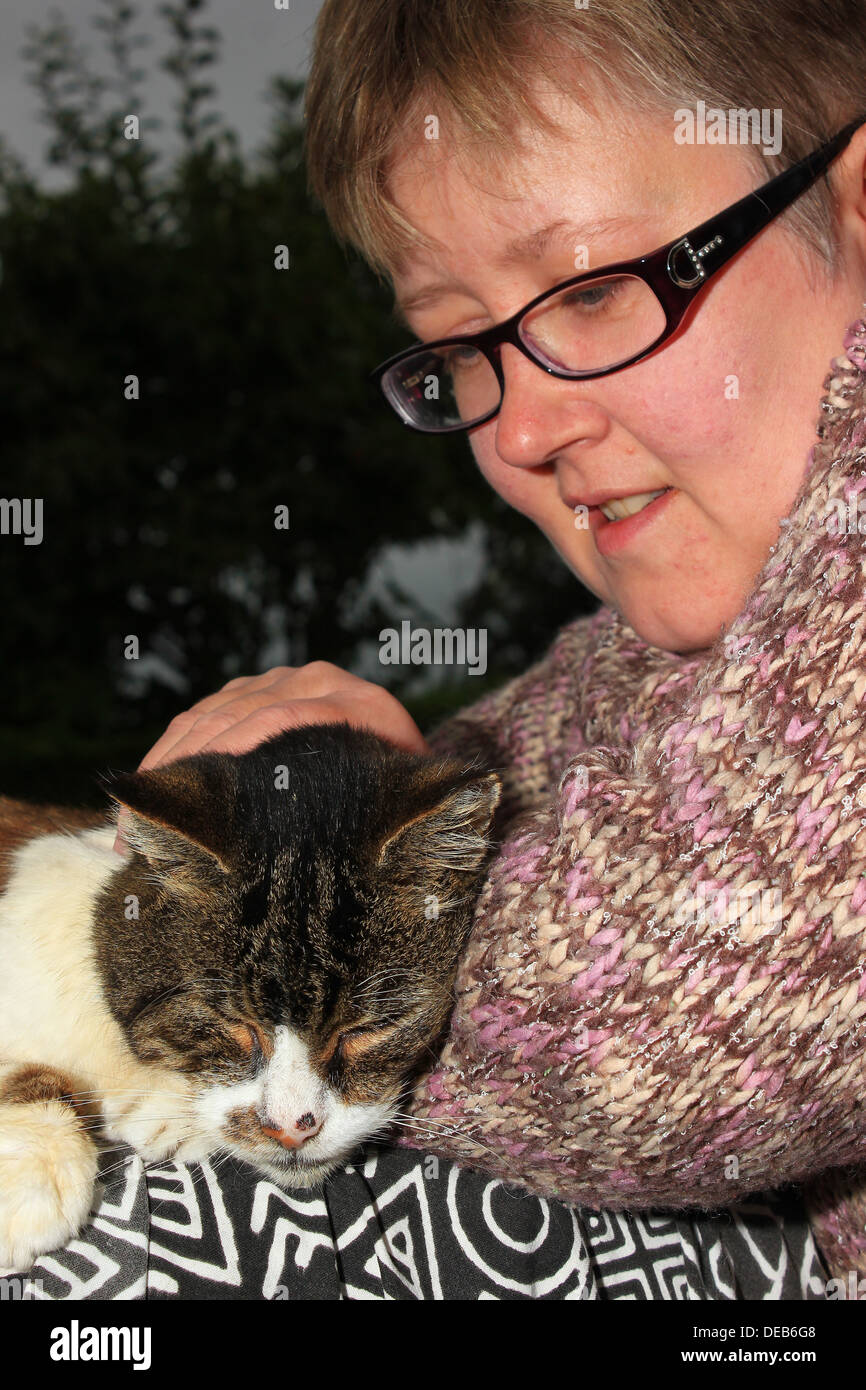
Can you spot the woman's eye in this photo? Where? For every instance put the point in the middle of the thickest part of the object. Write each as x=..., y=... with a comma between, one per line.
x=593, y=297
x=461, y=357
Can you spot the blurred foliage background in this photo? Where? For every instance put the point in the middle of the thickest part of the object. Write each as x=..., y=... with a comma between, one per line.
x=253, y=394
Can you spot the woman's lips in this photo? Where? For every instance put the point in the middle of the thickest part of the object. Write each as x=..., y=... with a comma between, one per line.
x=613, y=536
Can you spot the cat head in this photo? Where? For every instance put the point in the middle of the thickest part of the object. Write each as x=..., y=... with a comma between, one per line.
x=286, y=933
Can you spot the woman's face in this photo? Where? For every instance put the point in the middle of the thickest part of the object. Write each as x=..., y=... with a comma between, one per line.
x=724, y=414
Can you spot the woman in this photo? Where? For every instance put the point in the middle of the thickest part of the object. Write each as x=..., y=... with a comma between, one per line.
x=661, y=1008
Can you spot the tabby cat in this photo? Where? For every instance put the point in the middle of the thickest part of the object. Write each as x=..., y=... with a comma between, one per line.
x=261, y=973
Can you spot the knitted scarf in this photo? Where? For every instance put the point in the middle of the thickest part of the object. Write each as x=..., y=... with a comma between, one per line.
x=663, y=1002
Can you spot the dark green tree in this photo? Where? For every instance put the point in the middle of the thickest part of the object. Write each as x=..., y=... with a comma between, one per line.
x=164, y=388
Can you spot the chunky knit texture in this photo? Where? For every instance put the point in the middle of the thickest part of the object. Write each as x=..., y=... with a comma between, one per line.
x=663, y=1001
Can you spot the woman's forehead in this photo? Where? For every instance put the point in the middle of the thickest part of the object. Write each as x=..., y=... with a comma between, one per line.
x=598, y=185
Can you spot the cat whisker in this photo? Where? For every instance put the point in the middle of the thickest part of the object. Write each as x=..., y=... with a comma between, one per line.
x=114, y=1168
x=149, y=1118
x=422, y=1127
x=119, y=1091
x=388, y=972
x=406, y=1118
x=96, y=1127
x=382, y=988
x=451, y=1131
x=220, y=1158
x=152, y=1164
x=373, y=983
x=216, y=1159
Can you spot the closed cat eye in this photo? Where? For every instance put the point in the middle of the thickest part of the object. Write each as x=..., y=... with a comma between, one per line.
x=350, y=1042
x=252, y=1040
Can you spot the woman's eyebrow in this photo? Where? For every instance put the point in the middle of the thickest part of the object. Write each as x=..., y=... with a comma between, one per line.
x=535, y=245
x=529, y=247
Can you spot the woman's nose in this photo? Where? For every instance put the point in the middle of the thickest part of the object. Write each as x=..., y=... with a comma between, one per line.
x=540, y=414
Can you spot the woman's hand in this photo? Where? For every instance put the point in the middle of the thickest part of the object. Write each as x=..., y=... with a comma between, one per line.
x=250, y=709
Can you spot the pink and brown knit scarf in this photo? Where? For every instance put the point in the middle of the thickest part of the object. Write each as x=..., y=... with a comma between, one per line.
x=663, y=1002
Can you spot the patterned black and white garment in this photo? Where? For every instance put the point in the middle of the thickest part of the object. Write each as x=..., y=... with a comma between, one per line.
x=399, y=1225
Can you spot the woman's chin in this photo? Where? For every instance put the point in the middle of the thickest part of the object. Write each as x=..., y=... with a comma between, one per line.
x=684, y=634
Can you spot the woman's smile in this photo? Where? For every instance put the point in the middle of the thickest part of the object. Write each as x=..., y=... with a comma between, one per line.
x=612, y=535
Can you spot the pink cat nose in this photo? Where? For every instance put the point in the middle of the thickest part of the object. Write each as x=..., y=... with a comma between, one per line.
x=295, y=1135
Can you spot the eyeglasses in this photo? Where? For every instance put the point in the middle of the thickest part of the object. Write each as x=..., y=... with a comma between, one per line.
x=594, y=324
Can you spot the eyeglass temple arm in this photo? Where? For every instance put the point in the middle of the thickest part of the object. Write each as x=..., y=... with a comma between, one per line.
x=712, y=243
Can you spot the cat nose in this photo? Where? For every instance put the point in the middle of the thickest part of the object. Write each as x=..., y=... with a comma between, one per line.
x=294, y=1135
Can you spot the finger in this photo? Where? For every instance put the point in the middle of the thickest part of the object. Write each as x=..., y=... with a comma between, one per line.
x=243, y=696
x=381, y=712
x=270, y=720
x=163, y=750
x=387, y=719
x=194, y=729
x=373, y=708
x=251, y=684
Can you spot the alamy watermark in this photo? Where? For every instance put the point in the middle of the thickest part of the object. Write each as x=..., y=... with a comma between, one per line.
x=712, y=125
x=19, y=1288
x=846, y=517
x=853, y=1288
x=756, y=912
x=443, y=646
x=22, y=516
x=77, y=1343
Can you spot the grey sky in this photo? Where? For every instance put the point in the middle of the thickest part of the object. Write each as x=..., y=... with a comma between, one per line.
x=258, y=41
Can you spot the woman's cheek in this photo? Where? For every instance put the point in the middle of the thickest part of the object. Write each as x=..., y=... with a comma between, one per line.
x=526, y=490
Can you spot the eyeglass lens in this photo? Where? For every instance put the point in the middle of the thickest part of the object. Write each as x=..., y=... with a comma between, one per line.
x=590, y=327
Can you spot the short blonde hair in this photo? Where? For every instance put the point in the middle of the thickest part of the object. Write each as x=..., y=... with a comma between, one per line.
x=380, y=65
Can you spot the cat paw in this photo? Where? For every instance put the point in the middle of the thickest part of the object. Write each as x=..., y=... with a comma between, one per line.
x=47, y=1173
x=155, y=1126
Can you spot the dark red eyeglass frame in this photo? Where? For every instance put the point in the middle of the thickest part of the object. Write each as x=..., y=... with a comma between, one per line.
x=676, y=273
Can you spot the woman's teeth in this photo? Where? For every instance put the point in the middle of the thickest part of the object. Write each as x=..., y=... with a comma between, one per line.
x=621, y=507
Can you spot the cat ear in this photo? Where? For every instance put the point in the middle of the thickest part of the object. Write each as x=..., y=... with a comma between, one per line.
x=180, y=813
x=450, y=836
